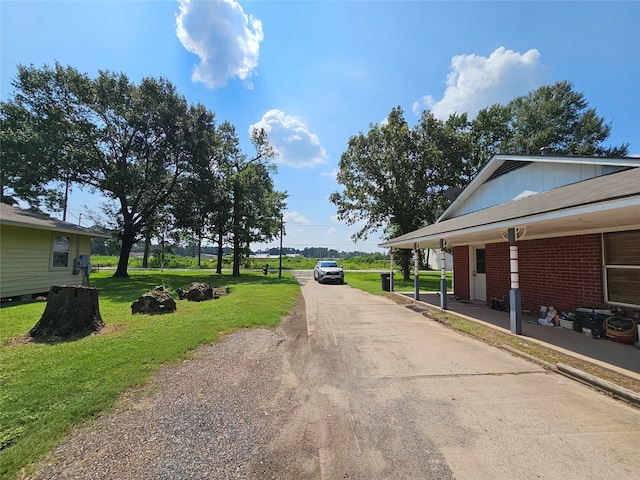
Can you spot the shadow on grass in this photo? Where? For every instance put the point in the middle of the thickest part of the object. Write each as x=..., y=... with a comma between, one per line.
x=139, y=283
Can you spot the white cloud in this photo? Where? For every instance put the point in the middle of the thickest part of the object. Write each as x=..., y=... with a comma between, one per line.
x=333, y=173
x=296, y=146
x=295, y=217
x=223, y=36
x=476, y=82
x=332, y=231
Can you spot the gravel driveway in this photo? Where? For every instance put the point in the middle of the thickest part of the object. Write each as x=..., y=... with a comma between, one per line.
x=354, y=386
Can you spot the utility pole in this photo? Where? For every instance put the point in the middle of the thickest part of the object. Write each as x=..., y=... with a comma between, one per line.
x=281, y=232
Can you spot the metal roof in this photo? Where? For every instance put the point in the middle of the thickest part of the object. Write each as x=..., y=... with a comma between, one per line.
x=17, y=217
x=598, y=204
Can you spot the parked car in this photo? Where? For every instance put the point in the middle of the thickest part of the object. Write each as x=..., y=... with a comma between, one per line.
x=328, y=271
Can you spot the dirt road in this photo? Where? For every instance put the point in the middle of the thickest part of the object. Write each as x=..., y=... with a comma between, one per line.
x=354, y=386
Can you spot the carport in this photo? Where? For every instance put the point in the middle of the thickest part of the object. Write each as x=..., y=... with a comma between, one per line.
x=607, y=203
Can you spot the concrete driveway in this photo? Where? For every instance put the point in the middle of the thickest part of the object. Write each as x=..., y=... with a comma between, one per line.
x=387, y=393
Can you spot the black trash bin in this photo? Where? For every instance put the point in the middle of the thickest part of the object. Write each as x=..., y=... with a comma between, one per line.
x=386, y=282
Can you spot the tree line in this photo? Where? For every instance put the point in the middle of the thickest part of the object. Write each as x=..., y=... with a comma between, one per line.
x=400, y=178
x=167, y=166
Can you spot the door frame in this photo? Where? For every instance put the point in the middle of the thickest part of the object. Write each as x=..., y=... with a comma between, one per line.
x=473, y=276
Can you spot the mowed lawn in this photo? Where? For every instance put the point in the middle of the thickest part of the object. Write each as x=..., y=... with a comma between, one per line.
x=47, y=388
x=371, y=282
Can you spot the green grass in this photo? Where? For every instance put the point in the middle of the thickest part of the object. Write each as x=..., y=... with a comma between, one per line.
x=48, y=388
x=371, y=282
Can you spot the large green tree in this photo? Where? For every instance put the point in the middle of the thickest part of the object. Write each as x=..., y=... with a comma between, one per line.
x=130, y=142
x=230, y=197
x=255, y=205
x=197, y=199
x=394, y=176
x=554, y=119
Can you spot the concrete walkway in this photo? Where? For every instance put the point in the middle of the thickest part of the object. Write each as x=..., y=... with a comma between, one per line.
x=622, y=358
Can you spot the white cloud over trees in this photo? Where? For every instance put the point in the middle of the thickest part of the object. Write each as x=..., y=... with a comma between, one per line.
x=226, y=40
x=476, y=82
x=295, y=144
x=295, y=217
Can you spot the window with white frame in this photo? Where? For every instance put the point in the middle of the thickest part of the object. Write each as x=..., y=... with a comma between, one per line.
x=622, y=268
x=60, y=252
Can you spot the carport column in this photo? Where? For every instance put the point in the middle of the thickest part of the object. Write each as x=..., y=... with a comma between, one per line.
x=416, y=275
x=391, y=272
x=443, y=276
x=515, y=303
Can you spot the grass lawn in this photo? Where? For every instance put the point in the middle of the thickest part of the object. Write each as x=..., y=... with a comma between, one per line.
x=371, y=282
x=47, y=388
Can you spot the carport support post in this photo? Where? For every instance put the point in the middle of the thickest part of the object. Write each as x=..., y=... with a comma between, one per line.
x=416, y=276
x=443, y=276
x=391, y=272
x=515, y=302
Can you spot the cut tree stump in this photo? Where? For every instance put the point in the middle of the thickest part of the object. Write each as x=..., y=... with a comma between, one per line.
x=72, y=310
x=156, y=302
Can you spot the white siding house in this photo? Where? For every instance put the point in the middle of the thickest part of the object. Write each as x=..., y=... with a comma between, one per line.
x=37, y=252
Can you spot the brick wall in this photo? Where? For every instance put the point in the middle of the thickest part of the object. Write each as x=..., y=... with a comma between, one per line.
x=498, y=274
x=461, y=286
x=563, y=272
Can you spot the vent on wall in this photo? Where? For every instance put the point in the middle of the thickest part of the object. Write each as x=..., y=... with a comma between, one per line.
x=506, y=167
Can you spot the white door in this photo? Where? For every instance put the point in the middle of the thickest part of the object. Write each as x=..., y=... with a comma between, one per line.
x=478, y=275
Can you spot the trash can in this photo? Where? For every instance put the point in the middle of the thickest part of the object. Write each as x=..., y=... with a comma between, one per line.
x=386, y=282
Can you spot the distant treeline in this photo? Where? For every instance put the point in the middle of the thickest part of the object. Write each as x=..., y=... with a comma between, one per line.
x=109, y=247
x=321, y=252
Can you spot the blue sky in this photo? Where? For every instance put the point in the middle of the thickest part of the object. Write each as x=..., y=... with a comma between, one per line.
x=314, y=73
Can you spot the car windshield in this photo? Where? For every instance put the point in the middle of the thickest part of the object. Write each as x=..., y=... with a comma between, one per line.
x=328, y=264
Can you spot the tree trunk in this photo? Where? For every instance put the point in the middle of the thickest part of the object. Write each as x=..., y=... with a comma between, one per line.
x=405, y=267
x=220, y=254
x=125, y=250
x=147, y=247
x=72, y=310
x=236, y=233
x=199, y=251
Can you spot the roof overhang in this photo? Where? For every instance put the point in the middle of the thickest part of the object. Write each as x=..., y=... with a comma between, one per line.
x=16, y=217
x=600, y=204
x=497, y=162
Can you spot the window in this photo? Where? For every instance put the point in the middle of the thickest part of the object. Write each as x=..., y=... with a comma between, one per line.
x=60, y=252
x=480, y=261
x=622, y=267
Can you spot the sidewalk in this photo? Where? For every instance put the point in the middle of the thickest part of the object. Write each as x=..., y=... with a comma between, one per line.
x=619, y=357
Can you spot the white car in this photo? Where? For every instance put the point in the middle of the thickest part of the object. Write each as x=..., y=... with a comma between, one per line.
x=328, y=271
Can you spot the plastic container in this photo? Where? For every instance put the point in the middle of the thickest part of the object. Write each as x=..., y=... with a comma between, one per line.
x=566, y=324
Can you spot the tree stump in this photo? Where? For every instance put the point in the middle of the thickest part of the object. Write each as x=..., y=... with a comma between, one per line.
x=155, y=302
x=198, y=292
x=72, y=310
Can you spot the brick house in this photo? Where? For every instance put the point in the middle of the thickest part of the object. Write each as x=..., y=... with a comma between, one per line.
x=574, y=223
